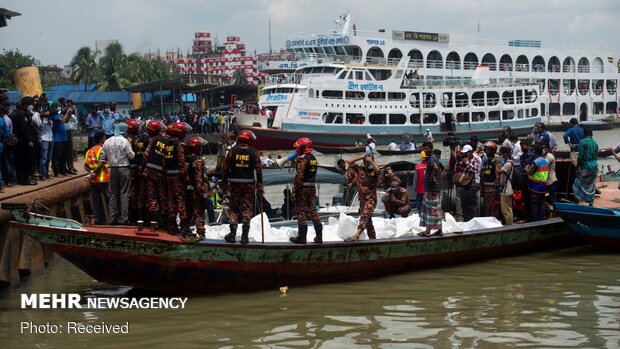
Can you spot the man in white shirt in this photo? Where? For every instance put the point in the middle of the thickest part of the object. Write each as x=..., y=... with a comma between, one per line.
x=392, y=146
x=516, y=150
x=117, y=152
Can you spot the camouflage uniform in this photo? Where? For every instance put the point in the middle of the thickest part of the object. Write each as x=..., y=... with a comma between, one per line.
x=139, y=190
x=156, y=178
x=304, y=189
x=367, y=179
x=398, y=202
x=196, y=188
x=175, y=173
x=240, y=184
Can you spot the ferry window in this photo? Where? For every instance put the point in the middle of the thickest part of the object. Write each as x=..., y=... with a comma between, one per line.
x=358, y=95
x=396, y=96
x=332, y=94
x=568, y=109
x=332, y=118
x=398, y=119
x=316, y=70
x=355, y=118
x=430, y=119
x=414, y=119
x=494, y=115
x=381, y=74
x=508, y=97
x=267, y=91
x=429, y=100
x=328, y=70
x=554, y=109
x=477, y=99
x=533, y=113
x=462, y=117
x=350, y=76
x=359, y=75
x=530, y=96
x=310, y=93
x=520, y=113
x=508, y=115
x=368, y=78
x=446, y=100
x=492, y=98
x=461, y=100
x=376, y=119
x=316, y=94
x=342, y=75
x=477, y=116
x=376, y=96
x=519, y=97
x=611, y=107
x=611, y=86
x=414, y=100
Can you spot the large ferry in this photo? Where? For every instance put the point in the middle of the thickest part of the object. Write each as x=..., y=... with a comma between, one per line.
x=354, y=82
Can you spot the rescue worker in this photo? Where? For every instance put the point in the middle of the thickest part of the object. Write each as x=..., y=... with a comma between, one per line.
x=489, y=177
x=387, y=177
x=99, y=179
x=368, y=175
x=240, y=183
x=197, y=184
x=138, y=190
x=176, y=169
x=396, y=200
x=155, y=174
x=304, y=192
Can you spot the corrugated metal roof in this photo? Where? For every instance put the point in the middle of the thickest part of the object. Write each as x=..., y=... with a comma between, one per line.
x=86, y=97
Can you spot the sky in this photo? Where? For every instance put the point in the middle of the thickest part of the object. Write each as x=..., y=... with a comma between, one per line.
x=53, y=31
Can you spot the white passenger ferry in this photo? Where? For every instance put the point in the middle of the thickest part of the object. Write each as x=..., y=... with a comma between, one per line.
x=356, y=82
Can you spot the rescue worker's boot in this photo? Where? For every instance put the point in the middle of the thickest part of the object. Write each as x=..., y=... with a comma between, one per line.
x=230, y=237
x=245, y=231
x=302, y=230
x=185, y=230
x=318, y=229
x=173, y=228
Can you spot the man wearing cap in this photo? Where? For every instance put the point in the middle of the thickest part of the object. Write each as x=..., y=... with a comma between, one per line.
x=420, y=170
x=429, y=136
x=467, y=165
x=117, y=152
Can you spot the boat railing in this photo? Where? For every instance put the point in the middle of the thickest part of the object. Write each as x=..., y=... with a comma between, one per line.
x=459, y=83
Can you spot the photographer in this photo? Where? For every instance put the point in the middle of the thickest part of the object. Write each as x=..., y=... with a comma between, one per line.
x=396, y=200
x=27, y=136
x=451, y=141
x=464, y=174
x=42, y=120
x=71, y=126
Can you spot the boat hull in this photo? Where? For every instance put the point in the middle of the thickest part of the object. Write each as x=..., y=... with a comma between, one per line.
x=598, y=226
x=273, y=139
x=163, y=263
x=565, y=154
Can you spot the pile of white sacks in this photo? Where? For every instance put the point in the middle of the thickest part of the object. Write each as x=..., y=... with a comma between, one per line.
x=338, y=229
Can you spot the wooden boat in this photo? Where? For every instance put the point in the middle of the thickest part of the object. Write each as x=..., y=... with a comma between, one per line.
x=398, y=152
x=600, y=226
x=338, y=150
x=155, y=260
x=612, y=176
x=565, y=154
x=594, y=125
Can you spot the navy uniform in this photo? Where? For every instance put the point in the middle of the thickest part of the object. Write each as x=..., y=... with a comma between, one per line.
x=240, y=184
x=304, y=192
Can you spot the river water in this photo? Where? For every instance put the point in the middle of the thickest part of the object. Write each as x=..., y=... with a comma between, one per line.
x=567, y=298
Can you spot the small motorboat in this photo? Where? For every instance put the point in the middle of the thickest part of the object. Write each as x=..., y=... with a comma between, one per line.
x=599, y=226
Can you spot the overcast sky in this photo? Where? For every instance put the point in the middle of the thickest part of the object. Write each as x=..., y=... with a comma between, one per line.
x=52, y=31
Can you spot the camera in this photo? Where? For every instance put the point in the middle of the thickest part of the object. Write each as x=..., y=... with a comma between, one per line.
x=452, y=142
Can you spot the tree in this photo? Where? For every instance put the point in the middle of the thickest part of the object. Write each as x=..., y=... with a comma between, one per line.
x=239, y=77
x=112, y=66
x=84, y=67
x=9, y=62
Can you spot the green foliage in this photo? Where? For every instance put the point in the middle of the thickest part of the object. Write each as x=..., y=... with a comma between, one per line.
x=118, y=71
x=10, y=61
x=84, y=69
x=240, y=78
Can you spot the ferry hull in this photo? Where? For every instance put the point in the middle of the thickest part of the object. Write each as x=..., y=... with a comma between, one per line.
x=117, y=255
x=274, y=139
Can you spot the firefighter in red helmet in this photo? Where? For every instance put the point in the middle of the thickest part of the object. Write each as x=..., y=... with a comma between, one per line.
x=154, y=156
x=242, y=175
x=176, y=168
x=196, y=184
x=304, y=192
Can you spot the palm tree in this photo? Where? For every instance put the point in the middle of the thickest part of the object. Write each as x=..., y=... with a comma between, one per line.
x=113, y=66
x=84, y=67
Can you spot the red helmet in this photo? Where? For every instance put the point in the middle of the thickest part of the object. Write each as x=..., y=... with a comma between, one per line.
x=491, y=145
x=133, y=126
x=245, y=136
x=154, y=127
x=195, y=145
x=303, y=146
x=179, y=129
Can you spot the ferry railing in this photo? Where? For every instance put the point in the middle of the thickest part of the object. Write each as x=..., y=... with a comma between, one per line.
x=568, y=69
x=416, y=63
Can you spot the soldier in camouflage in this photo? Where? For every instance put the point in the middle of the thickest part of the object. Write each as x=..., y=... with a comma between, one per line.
x=368, y=174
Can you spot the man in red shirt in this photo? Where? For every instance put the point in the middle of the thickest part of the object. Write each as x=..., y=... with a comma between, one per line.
x=420, y=169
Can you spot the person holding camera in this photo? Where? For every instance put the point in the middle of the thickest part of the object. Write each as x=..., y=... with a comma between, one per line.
x=431, y=215
x=464, y=177
x=396, y=200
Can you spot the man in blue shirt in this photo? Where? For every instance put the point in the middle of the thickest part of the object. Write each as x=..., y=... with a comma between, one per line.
x=109, y=117
x=61, y=142
x=573, y=135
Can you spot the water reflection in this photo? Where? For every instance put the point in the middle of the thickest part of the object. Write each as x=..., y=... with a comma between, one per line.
x=567, y=299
